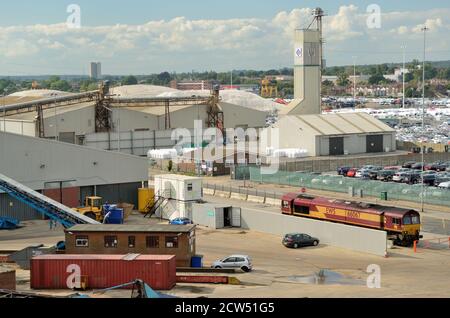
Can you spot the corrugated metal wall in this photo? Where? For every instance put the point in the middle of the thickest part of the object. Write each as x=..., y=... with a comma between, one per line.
x=16, y=209
x=114, y=193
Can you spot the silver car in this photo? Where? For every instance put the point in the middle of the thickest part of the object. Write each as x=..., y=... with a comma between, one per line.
x=243, y=262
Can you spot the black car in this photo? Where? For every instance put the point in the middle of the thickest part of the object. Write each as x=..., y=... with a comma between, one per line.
x=373, y=173
x=408, y=164
x=429, y=178
x=386, y=175
x=437, y=166
x=412, y=177
x=297, y=240
x=342, y=171
x=417, y=166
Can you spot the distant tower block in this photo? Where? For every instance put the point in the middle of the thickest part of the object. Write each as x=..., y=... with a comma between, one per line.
x=307, y=74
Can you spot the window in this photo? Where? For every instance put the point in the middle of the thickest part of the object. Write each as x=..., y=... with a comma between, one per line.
x=82, y=241
x=190, y=187
x=172, y=241
x=152, y=242
x=111, y=242
x=230, y=260
x=407, y=220
x=240, y=260
x=131, y=241
x=396, y=221
x=302, y=209
x=415, y=220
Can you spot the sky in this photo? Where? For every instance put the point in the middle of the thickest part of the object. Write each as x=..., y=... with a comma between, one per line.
x=149, y=36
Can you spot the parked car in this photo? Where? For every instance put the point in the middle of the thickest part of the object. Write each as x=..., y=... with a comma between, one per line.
x=386, y=175
x=437, y=166
x=399, y=177
x=408, y=164
x=445, y=185
x=352, y=173
x=393, y=168
x=373, y=173
x=417, y=166
x=181, y=221
x=412, y=177
x=342, y=171
x=244, y=262
x=428, y=178
x=297, y=240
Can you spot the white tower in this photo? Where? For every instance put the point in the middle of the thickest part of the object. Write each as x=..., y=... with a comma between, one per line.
x=308, y=61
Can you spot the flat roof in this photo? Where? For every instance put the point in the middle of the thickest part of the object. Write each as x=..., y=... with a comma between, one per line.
x=176, y=177
x=157, y=228
x=133, y=257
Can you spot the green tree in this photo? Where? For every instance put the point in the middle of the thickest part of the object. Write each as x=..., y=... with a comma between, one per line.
x=343, y=79
x=129, y=80
x=376, y=79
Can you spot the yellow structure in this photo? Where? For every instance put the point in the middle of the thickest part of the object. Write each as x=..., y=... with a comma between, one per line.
x=269, y=88
x=146, y=198
x=93, y=208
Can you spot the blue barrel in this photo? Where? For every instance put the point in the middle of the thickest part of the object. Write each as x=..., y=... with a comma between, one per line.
x=115, y=216
x=197, y=261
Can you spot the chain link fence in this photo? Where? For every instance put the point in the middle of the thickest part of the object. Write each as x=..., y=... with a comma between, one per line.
x=356, y=187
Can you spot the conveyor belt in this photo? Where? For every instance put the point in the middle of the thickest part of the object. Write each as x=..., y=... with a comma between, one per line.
x=48, y=207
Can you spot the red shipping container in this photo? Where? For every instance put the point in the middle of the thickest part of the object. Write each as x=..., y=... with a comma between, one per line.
x=103, y=271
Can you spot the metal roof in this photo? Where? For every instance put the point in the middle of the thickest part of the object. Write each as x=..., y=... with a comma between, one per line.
x=339, y=124
x=157, y=228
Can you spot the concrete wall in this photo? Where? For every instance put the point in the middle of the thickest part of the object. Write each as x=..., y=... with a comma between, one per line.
x=349, y=237
x=34, y=162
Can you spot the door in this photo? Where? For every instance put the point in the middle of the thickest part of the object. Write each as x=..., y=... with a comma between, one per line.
x=67, y=137
x=374, y=144
x=337, y=146
x=227, y=217
x=229, y=262
x=236, y=217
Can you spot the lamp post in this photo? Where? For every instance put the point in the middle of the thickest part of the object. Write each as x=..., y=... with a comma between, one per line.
x=56, y=120
x=424, y=30
x=354, y=79
x=4, y=110
x=403, y=73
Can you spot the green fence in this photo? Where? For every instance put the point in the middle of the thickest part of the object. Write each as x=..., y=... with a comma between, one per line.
x=395, y=191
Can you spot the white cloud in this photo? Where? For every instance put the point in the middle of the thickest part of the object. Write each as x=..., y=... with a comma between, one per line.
x=206, y=43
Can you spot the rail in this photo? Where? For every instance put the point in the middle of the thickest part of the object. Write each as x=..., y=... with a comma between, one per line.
x=46, y=206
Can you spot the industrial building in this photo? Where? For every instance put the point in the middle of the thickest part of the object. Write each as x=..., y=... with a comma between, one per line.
x=302, y=124
x=73, y=118
x=68, y=172
x=161, y=239
x=336, y=134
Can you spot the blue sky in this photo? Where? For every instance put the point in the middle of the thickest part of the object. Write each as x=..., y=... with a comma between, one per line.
x=212, y=35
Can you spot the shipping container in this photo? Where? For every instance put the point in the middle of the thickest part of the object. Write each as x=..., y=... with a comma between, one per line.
x=216, y=216
x=146, y=197
x=103, y=271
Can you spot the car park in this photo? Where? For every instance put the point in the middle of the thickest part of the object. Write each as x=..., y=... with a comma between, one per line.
x=418, y=166
x=297, y=240
x=243, y=262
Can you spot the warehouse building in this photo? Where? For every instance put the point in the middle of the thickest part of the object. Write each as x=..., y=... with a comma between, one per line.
x=67, y=173
x=336, y=135
x=73, y=123
x=160, y=239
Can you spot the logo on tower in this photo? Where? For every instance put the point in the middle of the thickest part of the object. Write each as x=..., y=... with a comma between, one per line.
x=299, y=52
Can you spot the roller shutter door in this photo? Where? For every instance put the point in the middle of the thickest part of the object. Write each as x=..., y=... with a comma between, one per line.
x=375, y=144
